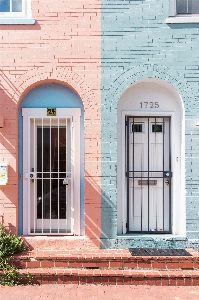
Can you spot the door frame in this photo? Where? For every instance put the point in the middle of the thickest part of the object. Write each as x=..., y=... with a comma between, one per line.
x=123, y=163
x=131, y=181
x=75, y=114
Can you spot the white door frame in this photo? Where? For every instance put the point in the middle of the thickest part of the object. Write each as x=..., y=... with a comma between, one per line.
x=75, y=114
x=177, y=194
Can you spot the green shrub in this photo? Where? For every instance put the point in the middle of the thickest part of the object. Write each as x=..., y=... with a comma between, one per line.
x=10, y=244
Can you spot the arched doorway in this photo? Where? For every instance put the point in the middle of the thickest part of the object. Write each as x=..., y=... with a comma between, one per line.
x=151, y=197
x=51, y=161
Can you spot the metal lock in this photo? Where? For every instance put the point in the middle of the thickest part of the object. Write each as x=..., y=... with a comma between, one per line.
x=167, y=174
x=65, y=181
x=32, y=175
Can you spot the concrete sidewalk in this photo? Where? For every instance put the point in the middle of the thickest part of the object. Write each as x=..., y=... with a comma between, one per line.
x=95, y=292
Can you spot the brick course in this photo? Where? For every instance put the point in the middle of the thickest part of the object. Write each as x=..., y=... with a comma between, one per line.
x=62, y=46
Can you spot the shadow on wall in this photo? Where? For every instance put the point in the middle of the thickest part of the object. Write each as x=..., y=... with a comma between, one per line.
x=92, y=209
x=8, y=154
x=98, y=212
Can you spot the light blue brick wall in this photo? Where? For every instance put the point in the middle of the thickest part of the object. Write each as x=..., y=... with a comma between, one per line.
x=137, y=43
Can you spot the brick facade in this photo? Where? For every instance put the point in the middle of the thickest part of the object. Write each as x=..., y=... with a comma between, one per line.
x=63, y=46
x=99, y=49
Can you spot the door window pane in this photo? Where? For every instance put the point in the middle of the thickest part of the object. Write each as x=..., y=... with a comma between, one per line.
x=136, y=127
x=156, y=127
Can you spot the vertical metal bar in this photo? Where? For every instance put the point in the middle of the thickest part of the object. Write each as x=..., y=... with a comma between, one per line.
x=156, y=219
x=72, y=128
x=66, y=120
x=29, y=158
x=133, y=173
x=42, y=176
x=50, y=175
x=58, y=155
x=127, y=167
x=170, y=174
x=141, y=195
x=34, y=170
x=148, y=171
x=163, y=190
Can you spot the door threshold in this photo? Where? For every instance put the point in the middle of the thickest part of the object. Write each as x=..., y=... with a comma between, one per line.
x=152, y=236
x=54, y=237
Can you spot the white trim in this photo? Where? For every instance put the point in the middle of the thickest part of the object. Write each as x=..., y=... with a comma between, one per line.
x=172, y=8
x=175, y=18
x=76, y=170
x=26, y=12
x=24, y=17
x=19, y=21
x=178, y=167
x=73, y=113
x=41, y=112
x=182, y=20
x=129, y=105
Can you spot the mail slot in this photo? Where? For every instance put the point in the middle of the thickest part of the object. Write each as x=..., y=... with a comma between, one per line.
x=147, y=182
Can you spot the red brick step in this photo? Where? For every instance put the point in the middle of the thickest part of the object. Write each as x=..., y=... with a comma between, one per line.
x=108, y=267
x=117, y=277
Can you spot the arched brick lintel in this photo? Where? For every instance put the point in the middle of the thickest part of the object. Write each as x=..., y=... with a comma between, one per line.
x=134, y=74
x=38, y=76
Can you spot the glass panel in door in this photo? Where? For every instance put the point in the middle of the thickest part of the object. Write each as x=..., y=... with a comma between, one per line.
x=50, y=188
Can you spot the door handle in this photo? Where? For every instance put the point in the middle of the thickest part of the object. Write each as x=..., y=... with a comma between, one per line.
x=167, y=182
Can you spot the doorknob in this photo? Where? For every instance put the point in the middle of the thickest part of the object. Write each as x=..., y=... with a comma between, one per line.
x=167, y=182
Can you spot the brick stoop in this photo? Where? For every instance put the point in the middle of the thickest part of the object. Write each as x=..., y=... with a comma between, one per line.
x=108, y=267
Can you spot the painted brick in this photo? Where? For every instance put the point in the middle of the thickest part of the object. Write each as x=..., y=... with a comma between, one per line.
x=73, y=44
x=139, y=38
x=99, y=48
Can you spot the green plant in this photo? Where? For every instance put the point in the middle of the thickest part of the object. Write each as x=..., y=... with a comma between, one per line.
x=10, y=244
x=9, y=274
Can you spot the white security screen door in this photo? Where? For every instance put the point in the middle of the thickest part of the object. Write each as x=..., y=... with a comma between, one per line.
x=148, y=174
x=51, y=170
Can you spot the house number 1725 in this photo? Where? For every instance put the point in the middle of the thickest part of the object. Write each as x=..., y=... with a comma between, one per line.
x=149, y=104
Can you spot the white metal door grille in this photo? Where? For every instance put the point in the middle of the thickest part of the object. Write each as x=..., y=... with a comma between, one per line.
x=50, y=176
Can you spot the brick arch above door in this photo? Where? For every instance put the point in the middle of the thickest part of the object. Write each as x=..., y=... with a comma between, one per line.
x=140, y=72
x=43, y=96
x=64, y=76
x=146, y=102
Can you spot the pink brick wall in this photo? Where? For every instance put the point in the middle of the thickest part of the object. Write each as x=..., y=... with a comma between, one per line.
x=63, y=46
